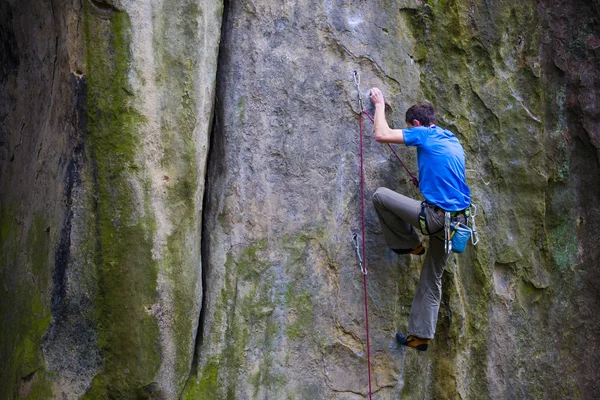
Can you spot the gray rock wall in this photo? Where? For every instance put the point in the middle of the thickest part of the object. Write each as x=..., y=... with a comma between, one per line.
x=284, y=316
x=176, y=214
x=106, y=115
x=42, y=123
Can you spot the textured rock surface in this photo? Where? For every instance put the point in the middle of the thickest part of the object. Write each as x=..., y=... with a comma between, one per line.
x=284, y=313
x=105, y=113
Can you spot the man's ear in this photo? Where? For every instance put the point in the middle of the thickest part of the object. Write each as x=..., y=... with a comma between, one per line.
x=416, y=122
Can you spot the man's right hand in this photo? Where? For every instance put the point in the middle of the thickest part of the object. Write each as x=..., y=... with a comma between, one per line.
x=382, y=131
x=376, y=97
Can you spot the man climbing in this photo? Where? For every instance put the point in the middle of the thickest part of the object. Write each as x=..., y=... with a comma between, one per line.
x=441, y=160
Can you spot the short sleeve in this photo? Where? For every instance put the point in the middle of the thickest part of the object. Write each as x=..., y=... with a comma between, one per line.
x=414, y=136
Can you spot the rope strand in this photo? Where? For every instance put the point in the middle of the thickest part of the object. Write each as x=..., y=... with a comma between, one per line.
x=364, y=258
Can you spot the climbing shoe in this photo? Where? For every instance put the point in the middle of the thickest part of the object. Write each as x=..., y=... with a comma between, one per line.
x=417, y=251
x=412, y=341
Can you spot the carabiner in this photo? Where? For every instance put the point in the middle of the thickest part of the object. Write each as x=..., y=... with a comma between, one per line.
x=474, y=236
x=447, y=234
x=357, y=83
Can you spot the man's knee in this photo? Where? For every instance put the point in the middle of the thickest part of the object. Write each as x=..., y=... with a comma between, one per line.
x=379, y=195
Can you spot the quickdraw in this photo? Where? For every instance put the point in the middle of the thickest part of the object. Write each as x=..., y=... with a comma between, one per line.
x=360, y=259
x=475, y=237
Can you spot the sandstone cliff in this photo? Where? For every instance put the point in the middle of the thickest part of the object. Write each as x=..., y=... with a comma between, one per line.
x=179, y=185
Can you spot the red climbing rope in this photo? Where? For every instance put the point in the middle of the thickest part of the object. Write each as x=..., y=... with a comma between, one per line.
x=363, y=258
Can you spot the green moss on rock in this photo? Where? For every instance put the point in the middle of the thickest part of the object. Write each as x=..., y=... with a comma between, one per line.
x=128, y=335
x=24, y=280
x=243, y=318
x=207, y=384
x=300, y=304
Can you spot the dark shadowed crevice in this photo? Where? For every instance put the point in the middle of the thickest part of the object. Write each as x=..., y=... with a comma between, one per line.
x=9, y=49
x=203, y=255
x=107, y=6
x=215, y=152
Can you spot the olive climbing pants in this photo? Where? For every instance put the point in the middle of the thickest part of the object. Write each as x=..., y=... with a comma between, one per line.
x=398, y=216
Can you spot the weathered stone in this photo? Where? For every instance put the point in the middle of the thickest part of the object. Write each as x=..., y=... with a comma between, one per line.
x=284, y=316
x=105, y=115
x=105, y=118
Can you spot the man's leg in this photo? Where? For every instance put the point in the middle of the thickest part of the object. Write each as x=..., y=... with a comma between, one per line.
x=426, y=303
x=397, y=215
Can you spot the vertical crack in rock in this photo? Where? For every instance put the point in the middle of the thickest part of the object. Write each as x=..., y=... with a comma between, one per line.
x=213, y=147
x=9, y=51
x=106, y=5
x=203, y=257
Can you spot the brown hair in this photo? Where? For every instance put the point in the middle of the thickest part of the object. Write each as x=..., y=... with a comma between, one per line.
x=424, y=113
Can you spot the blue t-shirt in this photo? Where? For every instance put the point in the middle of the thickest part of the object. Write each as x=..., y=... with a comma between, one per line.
x=441, y=166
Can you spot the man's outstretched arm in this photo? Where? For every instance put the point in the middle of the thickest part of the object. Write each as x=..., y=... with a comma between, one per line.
x=383, y=132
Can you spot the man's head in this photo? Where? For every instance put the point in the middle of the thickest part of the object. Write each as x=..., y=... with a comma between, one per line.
x=420, y=115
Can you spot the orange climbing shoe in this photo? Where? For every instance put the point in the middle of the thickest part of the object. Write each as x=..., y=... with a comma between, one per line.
x=412, y=341
x=417, y=251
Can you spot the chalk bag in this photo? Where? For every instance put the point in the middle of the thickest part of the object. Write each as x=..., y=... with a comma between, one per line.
x=460, y=235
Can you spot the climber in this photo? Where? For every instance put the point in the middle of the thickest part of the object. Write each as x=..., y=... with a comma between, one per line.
x=441, y=160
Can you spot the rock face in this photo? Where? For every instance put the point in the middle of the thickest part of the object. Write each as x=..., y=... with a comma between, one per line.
x=284, y=316
x=106, y=112
x=124, y=276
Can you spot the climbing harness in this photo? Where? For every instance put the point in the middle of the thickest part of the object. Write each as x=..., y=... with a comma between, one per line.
x=423, y=224
x=456, y=235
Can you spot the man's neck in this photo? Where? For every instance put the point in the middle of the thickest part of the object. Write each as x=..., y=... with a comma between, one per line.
x=417, y=125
